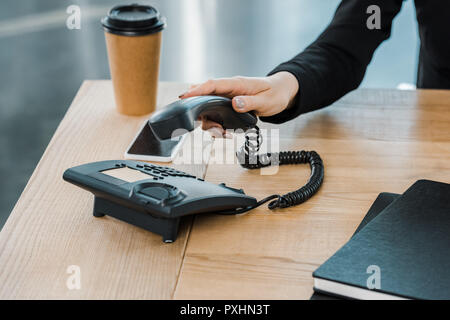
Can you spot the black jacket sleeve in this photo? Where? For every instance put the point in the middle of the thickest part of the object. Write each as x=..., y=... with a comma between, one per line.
x=336, y=62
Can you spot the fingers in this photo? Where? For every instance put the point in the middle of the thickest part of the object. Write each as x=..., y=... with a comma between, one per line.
x=216, y=132
x=264, y=96
x=208, y=124
x=191, y=87
x=255, y=103
x=212, y=87
x=215, y=129
x=212, y=127
x=228, y=87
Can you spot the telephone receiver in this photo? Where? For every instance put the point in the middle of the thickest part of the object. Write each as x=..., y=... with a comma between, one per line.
x=183, y=114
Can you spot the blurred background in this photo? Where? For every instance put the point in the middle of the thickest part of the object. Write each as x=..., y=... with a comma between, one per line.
x=43, y=63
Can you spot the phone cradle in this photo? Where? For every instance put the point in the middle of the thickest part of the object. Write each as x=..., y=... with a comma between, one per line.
x=167, y=228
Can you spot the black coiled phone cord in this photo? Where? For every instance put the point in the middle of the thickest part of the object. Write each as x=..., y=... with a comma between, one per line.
x=250, y=159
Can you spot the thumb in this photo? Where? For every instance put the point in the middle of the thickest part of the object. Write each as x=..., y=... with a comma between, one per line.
x=248, y=103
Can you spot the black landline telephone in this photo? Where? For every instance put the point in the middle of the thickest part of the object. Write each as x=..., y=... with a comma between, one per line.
x=155, y=197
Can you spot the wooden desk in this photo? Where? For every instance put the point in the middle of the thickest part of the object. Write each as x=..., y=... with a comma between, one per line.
x=371, y=141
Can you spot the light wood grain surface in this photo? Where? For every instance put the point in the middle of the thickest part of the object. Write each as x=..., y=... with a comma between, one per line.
x=52, y=227
x=371, y=141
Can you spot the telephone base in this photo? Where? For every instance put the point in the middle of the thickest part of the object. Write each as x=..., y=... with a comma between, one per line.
x=167, y=228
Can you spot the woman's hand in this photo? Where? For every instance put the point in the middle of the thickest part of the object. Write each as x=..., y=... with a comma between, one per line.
x=264, y=96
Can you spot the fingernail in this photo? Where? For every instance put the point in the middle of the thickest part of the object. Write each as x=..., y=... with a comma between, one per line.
x=240, y=103
x=183, y=94
x=215, y=132
x=227, y=135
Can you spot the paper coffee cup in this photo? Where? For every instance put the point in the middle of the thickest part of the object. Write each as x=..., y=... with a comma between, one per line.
x=133, y=39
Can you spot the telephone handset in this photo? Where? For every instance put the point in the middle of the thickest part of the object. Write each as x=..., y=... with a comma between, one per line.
x=156, y=198
x=184, y=113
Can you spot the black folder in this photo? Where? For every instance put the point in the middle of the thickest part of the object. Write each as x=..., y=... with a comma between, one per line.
x=381, y=202
x=409, y=241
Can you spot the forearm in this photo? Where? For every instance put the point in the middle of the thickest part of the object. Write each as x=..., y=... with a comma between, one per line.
x=336, y=62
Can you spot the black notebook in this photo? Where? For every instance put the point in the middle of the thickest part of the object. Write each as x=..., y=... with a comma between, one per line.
x=381, y=202
x=408, y=243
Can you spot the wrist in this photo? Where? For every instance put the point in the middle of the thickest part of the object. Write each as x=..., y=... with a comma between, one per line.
x=289, y=83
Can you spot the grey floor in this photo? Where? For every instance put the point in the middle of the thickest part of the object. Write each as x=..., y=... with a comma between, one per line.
x=42, y=63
